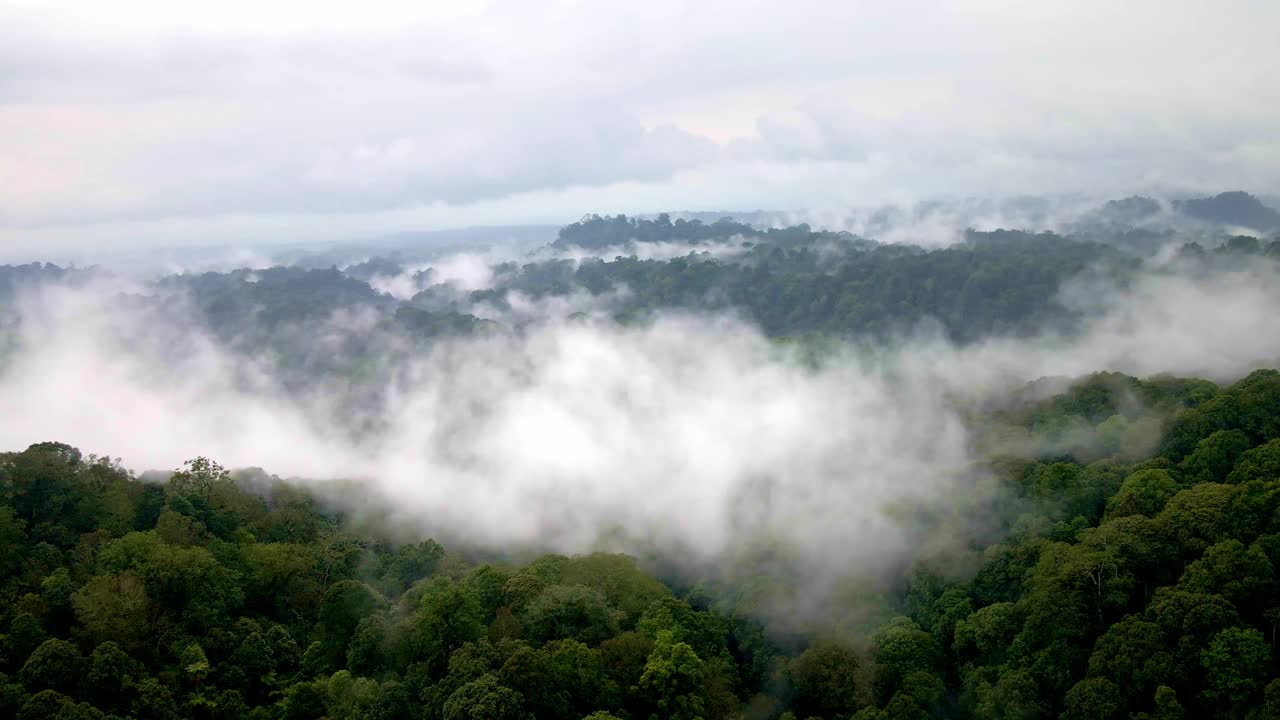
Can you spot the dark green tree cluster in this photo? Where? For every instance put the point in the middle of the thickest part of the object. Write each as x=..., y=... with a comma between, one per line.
x=1126, y=588
x=199, y=599
x=1123, y=587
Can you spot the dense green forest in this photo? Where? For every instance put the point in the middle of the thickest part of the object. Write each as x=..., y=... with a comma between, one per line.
x=790, y=281
x=996, y=283
x=1124, y=585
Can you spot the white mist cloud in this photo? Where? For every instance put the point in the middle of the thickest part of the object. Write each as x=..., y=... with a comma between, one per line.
x=463, y=271
x=474, y=270
x=693, y=432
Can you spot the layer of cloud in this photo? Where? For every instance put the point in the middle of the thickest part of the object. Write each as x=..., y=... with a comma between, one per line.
x=147, y=121
x=693, y=432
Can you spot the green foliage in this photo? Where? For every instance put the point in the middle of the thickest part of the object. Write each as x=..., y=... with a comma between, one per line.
x=344, y=606
x=1132, y=653
x=1095, y=698
x=368, y=650
x=1142, y=493
x=1197, y=517
x=1259, y=463
x=574, y=612
x=521, y=589
x=112, y=674
x=188, y=579
x=1214, y=457
x=795, y=282
x=25, y=635
x=487, y=582
x=448, y=616
x=194, y=662
x=43, y=705
x=902, y=648
x=12, y=537
x=154, y=700
x=624, y=586
x=484, y=699
x=114, y=608
x=1123, y=586
x=824, y=681
x=672, y=679
x=1236, y=665
x=1242, y=575
x=1167, y=706
x=55, y=665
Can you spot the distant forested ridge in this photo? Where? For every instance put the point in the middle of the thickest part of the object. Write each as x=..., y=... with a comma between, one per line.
x=1233, y=208
x=1124, y=584
x=790, y=281
x=823, y=283
x=596, y=232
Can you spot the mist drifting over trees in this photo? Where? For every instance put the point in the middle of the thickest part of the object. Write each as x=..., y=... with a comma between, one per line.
x=653, y=468
x=652, y=361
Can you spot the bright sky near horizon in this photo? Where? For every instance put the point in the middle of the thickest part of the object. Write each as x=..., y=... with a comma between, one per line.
x=139, y=122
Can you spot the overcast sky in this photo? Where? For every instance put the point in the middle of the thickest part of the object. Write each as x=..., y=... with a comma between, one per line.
x=136, y=122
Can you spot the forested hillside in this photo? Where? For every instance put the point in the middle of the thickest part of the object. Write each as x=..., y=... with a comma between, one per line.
x=1109, y=549
x=791, y=281
x=663, y=360
x=1121, y=586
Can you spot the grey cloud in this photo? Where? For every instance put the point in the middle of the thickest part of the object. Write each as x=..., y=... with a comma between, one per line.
x=522, y=111
x=45, y=65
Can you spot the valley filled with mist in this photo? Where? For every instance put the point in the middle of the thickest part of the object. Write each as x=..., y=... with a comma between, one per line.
x=965, y=459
